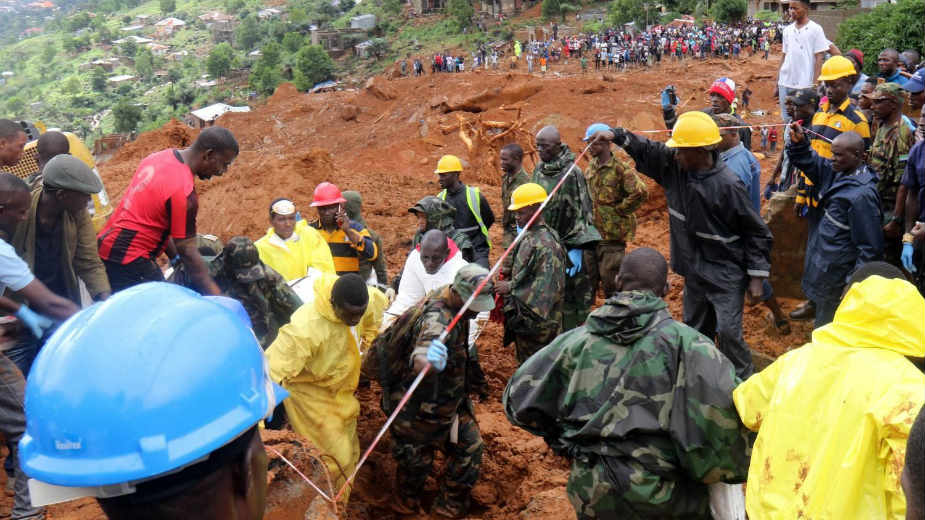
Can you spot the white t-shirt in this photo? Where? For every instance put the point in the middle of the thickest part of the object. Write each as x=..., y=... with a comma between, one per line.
x=800, y=48
x=416, y=283
x=14, y=273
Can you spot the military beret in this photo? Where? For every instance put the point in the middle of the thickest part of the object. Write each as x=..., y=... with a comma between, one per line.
x=888, y=91
x=66, y=172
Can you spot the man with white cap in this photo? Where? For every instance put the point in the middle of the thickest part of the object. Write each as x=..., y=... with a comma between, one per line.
x=292, y=249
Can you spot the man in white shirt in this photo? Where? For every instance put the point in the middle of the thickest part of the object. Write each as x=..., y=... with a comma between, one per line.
x=431, y=265
x=804, y=47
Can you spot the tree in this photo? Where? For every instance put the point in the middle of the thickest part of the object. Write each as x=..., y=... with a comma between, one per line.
x=220, y=60
x=103, y=35
x=729, y=10
x=620, y=12
x=48, y=52
x=233, y=6
x=292, y=42
x=312, y=65
x=567, y=8
x=392, y=6
x=98, y=79
x=248, y=33
x=297, y=16
x=270, y=55
x=168, y=6
x=69, y=43
x=144, y=63
x=346, y=5
x=71, y=86
x=462, y=11
x=15, y=106
x=129, y=47
x=379, y=47
x=897, y=26
x=264, y=78
x=127, y=116
x=551, y=9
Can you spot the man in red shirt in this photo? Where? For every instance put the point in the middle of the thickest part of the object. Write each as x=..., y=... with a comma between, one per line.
x=161, y=204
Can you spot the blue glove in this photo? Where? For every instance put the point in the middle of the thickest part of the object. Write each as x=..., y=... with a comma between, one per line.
x=37, y=323
x=574, y=256
x=519, y=229
x=436, y=355
x=907, y=258
x=769, y=190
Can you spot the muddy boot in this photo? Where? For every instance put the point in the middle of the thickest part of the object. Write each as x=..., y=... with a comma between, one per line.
x=805, y=312
x=447, y=508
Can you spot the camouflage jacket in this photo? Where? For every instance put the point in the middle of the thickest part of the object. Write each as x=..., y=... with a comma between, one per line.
x=616, y=193
x=888, y=155
x=442, y=215
x=269, y=302
x=651, y=395
x=534, y=306
x=432, y=406
x=569, y=211
x=509, y=183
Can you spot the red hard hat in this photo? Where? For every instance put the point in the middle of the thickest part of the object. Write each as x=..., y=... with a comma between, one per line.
x=327, y=194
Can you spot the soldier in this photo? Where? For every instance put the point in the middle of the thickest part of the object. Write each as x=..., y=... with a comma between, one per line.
x=569, y=214
x=354, y=207
x=616, y=193
x=512, y=158
x=887, y=158
x=439, y=415
x=435, y=213
x=640, y=404
x=241, y=274
x=533, y=294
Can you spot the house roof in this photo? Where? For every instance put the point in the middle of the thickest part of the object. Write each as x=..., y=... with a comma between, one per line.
x=212, y=112
x=170, y=22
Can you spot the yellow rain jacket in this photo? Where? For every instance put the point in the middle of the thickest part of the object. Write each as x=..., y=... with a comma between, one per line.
x=316, y=357
x=292, y=259
x=833, y=416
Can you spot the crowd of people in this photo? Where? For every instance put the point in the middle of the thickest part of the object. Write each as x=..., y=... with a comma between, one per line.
x=152, y=398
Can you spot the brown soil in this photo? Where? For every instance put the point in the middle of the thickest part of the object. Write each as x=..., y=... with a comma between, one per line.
x=384, y=142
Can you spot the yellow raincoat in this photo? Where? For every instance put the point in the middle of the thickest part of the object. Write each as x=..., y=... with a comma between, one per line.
x=292, y=259
x=833, y=416
x=316, y=357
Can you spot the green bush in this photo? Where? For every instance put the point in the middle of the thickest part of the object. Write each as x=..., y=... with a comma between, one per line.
x=898, y=26
x=313, y=65
x=461, y=11
x=126, y=116
x=729, y=10
x=620, y=12
x=551, y=9
x=168, y=6
x=767, y=16
x=220, y=60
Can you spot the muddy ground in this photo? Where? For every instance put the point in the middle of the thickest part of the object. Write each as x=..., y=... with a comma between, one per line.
x=384, y=141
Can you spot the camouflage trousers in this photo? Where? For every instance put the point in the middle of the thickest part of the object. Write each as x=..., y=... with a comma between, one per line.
x=576, y=303
x=413, y=446
x=604, y=264
x=605, y=488
x=526, y=346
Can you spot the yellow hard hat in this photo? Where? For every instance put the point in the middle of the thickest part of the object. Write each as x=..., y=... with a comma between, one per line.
x=526, y=195
x=448, y=163
x=694, y=129
x=837, y=67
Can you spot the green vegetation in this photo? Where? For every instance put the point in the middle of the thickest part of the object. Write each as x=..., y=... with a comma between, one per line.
x=897, y=26
x=728, y=11
x=312, y=65
x=462, y=11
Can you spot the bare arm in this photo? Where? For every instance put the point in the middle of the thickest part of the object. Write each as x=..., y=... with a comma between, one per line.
x=42, y=300
x=817, y=67
x=912, y=210
x=196, y=267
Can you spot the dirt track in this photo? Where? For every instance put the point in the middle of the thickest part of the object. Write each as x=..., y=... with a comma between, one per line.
x=384, y=141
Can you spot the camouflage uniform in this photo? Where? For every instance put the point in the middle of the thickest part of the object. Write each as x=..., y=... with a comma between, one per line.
x=569, y=215
x=641, y=404
x=241, y=275
x=442, y=215
x=354, y=209
x=616, y=193
x=509, y=183
x=887, y=158
x=426, y=422
x=533, y=309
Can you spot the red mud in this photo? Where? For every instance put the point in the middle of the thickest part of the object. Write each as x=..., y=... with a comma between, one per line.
x=384, y=143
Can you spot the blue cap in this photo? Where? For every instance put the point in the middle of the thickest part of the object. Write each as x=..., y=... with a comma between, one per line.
x=916, y=83
x=593, y=129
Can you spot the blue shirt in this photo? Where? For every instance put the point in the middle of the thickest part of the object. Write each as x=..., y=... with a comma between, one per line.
x=744, y=164
x=856, y=89
x=914, y=176
x=897, y=78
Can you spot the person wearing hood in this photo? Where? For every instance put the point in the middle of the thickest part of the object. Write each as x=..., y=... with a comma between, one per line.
x=640, y=404
x=570, y=214
x=435, y=213
x=845, y=228
x=354, y=207
x=316, y=357
x=291, y=247
x=719, y=244
x=833, y=416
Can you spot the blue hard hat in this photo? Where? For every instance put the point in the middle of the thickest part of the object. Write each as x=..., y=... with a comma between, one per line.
x=234, y=306
x=151, y=380
x=593, y=129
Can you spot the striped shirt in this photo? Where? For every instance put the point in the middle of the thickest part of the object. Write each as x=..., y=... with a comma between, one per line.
x=346, y=254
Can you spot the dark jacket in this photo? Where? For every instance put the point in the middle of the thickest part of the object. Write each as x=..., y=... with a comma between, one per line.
x=844, y=230
x=716, y=235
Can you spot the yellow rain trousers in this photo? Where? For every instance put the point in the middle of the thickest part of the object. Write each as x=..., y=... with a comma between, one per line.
x=316, y=357
x=833, y=416
x=293, y=260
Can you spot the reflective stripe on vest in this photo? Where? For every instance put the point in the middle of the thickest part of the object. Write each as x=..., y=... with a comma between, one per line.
x=475, y=207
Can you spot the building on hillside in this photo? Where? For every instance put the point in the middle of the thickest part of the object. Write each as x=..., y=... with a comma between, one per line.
x=166, y=27
x=178, y=56
x=337, y=41
x=268, y=13
x=122, y=78
x=496, y=7
x=215, y=16
x=132, y=28
x=143, y=19
x=427, y=6
x=206, y=116
x=364, y=21
x=779, y=6
x=222, y=31
x=158, y=49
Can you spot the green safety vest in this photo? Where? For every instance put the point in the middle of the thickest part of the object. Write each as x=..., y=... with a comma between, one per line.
x=474, y=202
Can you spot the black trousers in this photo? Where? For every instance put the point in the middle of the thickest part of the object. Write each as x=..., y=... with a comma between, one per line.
x=140, y=270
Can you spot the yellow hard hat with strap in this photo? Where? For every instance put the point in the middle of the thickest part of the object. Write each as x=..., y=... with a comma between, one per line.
x=526, y=195
x=694, y=129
